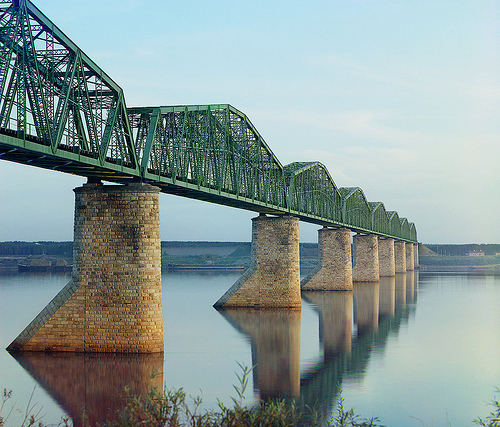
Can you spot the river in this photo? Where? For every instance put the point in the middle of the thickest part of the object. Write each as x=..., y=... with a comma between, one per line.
x=418, y=349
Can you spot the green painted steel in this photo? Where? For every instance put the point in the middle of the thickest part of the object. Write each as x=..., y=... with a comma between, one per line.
x=380, y=219
x=210, y=152
x=395, y=223
x=59, y=110
x=405, y=229
x=311, y=191
x=355, y=209
x=413, y=232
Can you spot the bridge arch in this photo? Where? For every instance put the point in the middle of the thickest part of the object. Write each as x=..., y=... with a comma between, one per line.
x=355, y=209
x=405, y=229
x=395, y=224
x=209, y=146
x=312, y=190
x=55, y=96
x=380, y=219
x=413, y=232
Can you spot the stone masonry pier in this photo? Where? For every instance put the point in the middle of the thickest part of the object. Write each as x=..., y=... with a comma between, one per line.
x=410, y=257
x=386, y=261
x=273, y=278
x=415, y=253
x=366, y=268
x=113, y=302
x=334, y=269
x=400, y=256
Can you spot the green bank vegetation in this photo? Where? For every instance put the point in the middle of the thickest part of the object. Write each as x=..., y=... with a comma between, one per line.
x=459, y=260
x=171, y=409
x=455, y=257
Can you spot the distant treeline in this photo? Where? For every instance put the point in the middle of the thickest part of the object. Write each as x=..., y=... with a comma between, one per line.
x=61, y=249
x=463, y=250
x=65, y=249
x=174, y=244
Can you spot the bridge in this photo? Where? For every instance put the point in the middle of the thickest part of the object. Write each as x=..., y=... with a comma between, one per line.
x=60, y=111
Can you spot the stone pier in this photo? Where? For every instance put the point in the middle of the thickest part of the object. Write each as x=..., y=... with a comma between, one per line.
x=334, y=269
x=366, y=267
x=273, y=278
x=113, y=302
x=415, y=253
x=386, y=260
x=400, y=256
x=410, y=257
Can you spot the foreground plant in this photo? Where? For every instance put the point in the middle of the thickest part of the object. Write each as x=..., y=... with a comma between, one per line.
x=493, y=419
x=171, y=409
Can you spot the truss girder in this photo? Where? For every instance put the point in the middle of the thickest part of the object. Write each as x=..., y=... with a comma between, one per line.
x=59, y=110
x=380, y=219
x=52, y=92
x=395, y=223
x=413, y=232
x=355, y=208
x=405, y=229
x=311, y=190
x=210, y=147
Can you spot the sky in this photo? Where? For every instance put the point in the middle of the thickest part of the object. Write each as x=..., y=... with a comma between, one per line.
x=400, y=98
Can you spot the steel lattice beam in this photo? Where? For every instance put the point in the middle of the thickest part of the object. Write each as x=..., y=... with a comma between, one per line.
x=59, y=110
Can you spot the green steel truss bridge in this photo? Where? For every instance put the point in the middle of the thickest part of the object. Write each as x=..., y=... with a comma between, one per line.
x=60, y=111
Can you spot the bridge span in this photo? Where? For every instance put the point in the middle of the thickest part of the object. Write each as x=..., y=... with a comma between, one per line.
x=60, y=111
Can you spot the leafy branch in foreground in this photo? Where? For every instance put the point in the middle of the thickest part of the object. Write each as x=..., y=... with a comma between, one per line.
x=493, y=419
x=171, y=409
x=350, y=419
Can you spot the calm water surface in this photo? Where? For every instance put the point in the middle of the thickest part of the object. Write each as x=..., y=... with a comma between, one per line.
x=416, y=350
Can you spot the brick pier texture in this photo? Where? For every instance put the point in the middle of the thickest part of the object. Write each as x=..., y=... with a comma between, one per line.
x=400, y=256
x=334, y=269
x=386, y=262
x=273, y=278
x=415, y=253
x=410, y=257
x=113, y=302
x=366, y=268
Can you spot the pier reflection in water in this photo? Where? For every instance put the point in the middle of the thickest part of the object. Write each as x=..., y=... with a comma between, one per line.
x=93, y=385
x=353, y=329
x=387, y=297
x=401, y=289
x=366, y=303
x=275, y=340
x=335, y=320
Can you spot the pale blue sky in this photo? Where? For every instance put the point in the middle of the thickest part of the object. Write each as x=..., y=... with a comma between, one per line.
x=400, y=98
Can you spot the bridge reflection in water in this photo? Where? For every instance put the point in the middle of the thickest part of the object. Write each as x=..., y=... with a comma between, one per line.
x=91, y=387
x=96, y=382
